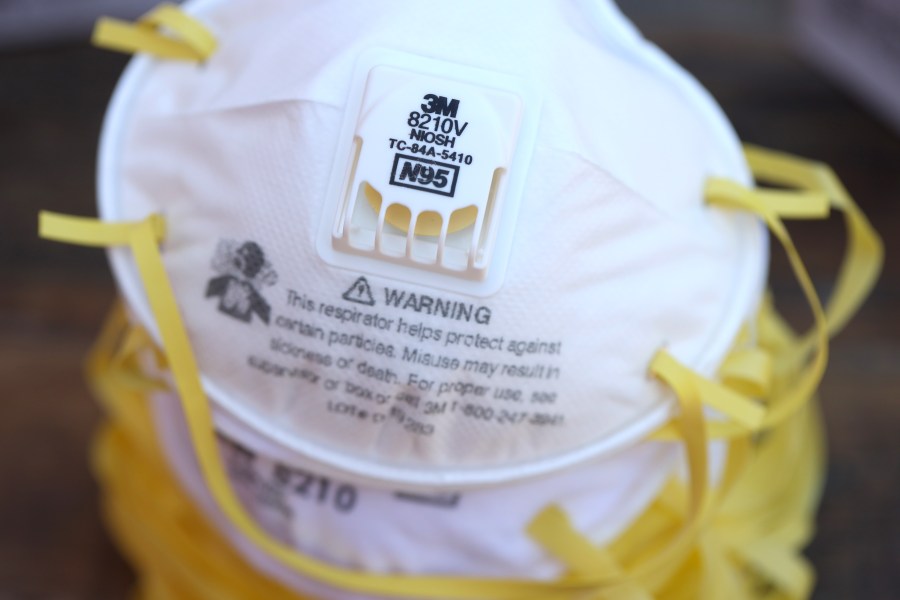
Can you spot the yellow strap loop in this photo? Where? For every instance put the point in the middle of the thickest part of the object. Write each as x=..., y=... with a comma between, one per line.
x=865, y=251
x=784, y=402
x=746, y=414
x=85, y=231
x=768, y=516
x=748, y=372
x=692, y=427
x=818, y=187
x=165, y=32
x=786, y=569
x=732, y=397
x=788, y=204
x=552, y=529
x=556, y=534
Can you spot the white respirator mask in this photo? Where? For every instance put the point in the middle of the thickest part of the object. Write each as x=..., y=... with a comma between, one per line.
x=427, y=263
x=435, y=255
x=425, y=256
x=448, y=301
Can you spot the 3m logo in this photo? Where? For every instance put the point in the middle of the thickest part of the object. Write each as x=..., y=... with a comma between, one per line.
x=425, y=175
x=441, y=105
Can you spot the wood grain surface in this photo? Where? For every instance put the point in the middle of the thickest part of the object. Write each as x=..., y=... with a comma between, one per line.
x=52, y=298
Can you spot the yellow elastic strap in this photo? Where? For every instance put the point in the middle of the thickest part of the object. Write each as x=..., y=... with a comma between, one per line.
x=133, y=341
x=775, y=557
x=740, y=454
x=768, y=516
x=744, y=411
x=552, y=529
x=784, y=403
x=786, y=204
x=865, y=251
x=748, y=372
x=787, y=569
x=818, y=188
x=556, y=534
x=692, y=428
x=91, y=232
x=165, y=32
x=746, y=414
x=111, y=332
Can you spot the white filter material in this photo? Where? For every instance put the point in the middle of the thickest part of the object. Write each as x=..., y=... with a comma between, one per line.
x=479, y=533
x=614, y=257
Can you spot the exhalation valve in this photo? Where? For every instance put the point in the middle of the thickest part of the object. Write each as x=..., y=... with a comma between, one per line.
x=425, y=192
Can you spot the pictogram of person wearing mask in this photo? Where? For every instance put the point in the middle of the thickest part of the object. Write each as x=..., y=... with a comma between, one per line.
x=243, y=270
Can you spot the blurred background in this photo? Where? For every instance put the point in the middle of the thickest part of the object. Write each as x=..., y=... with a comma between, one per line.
x=819, y=78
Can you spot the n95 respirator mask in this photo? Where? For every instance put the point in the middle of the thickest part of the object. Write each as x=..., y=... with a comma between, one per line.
x=420, y=292
x=346, y=301
x=425, y=259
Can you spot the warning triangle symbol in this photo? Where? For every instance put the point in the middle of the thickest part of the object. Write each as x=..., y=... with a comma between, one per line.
x=360, y=292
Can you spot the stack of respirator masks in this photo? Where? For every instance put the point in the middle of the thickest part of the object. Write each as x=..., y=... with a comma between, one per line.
x=448, y=300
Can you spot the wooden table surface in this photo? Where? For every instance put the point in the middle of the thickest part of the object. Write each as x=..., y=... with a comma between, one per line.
x=52, y=298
